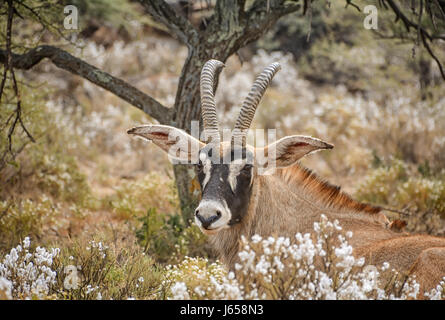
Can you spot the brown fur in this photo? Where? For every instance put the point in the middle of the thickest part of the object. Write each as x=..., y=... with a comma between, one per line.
x=323, y=191
x=292, y=199
x=397, y=225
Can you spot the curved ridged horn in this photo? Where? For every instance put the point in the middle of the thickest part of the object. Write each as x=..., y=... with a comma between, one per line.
x=252, y=100
x=208, y=106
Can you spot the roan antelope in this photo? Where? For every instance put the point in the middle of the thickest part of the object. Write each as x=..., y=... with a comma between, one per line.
x=237, y=200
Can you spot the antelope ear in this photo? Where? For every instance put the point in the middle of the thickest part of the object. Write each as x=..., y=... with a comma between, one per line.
x=289, y=149
x=179, y=145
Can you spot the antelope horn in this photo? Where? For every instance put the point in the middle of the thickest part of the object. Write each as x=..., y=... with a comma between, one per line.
x=252, y=100
x=208, y=106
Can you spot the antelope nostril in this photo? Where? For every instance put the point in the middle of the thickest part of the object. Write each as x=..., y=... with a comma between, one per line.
x=218, y=213
x=196, y=212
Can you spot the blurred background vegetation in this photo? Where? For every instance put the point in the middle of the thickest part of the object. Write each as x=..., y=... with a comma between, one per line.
x=379, y=100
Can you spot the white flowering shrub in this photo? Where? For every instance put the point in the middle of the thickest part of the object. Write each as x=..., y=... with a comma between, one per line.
x=196, y=278
x=437, y=293
x=26, y=274
x=5, y=289
x=318, y=267
x=91, y=272
x=98, y=270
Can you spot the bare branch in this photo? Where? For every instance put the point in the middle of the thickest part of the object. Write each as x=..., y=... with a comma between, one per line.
x=349, y=3
x=44, y=22
x=309, y=12
x=261, y=20
x=18, y=112
x=422, y=33
x=277, y=8
x=236, y=25
x=8, y=67
x=406, y=21
x=179, y=26
x=66, y=61
x=430, y=51
x=7, y=63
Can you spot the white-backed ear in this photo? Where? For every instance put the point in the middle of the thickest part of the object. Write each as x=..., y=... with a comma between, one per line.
x=289, y=149
x=179, y=145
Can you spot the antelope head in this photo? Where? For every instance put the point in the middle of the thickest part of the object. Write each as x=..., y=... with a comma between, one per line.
x=227, y=170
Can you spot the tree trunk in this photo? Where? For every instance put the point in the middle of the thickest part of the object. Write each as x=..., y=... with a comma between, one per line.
x=188, y=190
x=188, y=109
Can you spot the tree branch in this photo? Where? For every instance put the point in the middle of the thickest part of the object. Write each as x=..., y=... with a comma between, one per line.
x=8, y=67
x=179, y=26
x=66, y=61
x=422, y=33
x=234, y=26
x=261, y=18
x=277, y=8
x=406, y=21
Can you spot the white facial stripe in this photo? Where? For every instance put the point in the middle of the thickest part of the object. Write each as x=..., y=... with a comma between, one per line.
x=234, y=170
x=207, y=166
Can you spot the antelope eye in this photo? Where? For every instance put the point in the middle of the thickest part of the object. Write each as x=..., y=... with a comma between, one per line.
x=199, y=165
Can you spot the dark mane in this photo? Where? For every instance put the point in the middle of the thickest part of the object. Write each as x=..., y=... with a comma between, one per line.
x=321, y=190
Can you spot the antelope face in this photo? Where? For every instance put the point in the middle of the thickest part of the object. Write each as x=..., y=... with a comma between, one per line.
x=225, y=187
x=226, y=170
